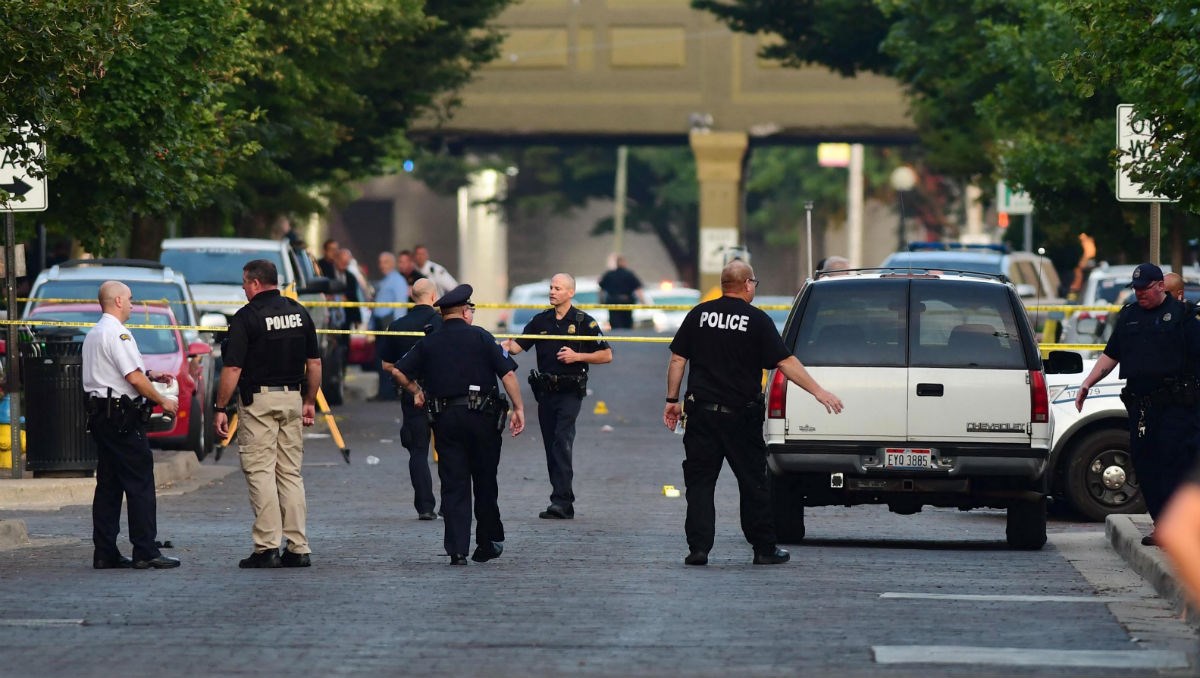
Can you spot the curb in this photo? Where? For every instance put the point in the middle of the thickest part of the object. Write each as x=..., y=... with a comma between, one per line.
x=170, y=468
x=1124, y=533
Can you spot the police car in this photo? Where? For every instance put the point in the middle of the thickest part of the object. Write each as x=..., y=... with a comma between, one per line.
x=945, y=396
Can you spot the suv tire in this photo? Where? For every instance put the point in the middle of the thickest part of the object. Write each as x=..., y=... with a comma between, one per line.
x=198, y=433
x=333, y=370
x=1026, y=525
x=1085, y=488
x=787, y=508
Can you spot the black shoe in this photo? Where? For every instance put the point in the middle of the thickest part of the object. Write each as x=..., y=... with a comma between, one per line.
x=458, y=559
x=696, y=558
x=427, y=515
x=555, y=512
x=289, y=559
x=1149, y=540
x=121, y=563
x=483, y=555
x=773, y=557
x=159, y=563
x=268, y=558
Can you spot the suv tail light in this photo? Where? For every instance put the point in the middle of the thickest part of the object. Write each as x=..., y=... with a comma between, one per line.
x=777, y=396
x=1039, y=399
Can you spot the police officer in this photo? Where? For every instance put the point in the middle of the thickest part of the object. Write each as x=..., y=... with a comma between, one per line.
x=729, y=343
x=1157, y=344
x=273, y=361
x=620, y=286
x=119, y=392
x=560, y=383
x=457, y=367
x=414, y=432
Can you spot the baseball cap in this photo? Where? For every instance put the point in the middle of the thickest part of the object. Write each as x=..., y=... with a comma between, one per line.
x=1144, y=275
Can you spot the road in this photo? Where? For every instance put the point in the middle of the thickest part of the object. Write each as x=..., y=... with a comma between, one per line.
x=867, y=594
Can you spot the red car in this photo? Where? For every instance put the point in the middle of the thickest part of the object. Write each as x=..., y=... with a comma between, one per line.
x=162, y=351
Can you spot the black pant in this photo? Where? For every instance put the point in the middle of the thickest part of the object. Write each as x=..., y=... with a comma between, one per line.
x=414, y=436
x=1166, y=452
x=557, y=412
x=468, y=455
x=619, y=320
x=125, y=467
x=710, y=438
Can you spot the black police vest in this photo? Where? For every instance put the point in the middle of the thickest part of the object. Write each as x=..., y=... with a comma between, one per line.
x=277, y=333
x=1155, y=346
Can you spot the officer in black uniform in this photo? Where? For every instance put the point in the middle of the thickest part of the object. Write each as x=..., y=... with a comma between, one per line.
x=120, y=396
x=458, y=366
x=1157, y=344
x=273, y=361
x=561, y=383
x=729, y=343
x=414, y=432
x=620, y=286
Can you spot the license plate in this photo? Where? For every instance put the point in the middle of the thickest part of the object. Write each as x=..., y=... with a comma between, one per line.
x=902, y=457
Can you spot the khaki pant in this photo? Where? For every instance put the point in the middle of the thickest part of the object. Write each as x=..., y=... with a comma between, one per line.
x=271, y=448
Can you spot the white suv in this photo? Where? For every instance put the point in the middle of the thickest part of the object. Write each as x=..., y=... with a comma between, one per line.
x=946, y=401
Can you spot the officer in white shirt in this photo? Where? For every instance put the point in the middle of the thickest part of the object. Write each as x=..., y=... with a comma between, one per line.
x=434, y=271
x=120, y=396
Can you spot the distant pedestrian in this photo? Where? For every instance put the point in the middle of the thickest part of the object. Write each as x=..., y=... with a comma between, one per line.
x=1156, y=342
x=621, y=286
x=408, y=269
x=434, y=271
x=119, y=392
x=414, y=432
x=273, y=360
x=560, y=384
x=1173, y=283
x=391, y=288
x=457, y=367
x=832, y=265
x=328, y=261
x=729, y=343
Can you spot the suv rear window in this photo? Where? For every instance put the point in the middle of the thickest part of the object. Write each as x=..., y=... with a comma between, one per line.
x=873, y=323
x=86, y=290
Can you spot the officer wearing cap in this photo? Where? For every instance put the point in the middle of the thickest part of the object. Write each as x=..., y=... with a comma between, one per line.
x=457, y=367
x=414, y=432
x=560, y=383
x=119, y=389
x=273, y=361
x=1156, y=342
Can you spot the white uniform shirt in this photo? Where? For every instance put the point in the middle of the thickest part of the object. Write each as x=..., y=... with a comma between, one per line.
x=439, y=275
x=109, y=353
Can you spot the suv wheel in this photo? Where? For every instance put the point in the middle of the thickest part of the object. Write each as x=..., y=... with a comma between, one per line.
x=787, y=508
x=1026, y=527
x=198, y=434
x=333, y=370
x=1100, y=478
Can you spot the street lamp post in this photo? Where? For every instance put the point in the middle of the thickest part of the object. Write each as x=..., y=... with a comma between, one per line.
x=903, y=179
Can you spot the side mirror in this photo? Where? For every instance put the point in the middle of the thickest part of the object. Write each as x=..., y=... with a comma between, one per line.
x=198, y=348
x=321, y=285
x=1063, y=362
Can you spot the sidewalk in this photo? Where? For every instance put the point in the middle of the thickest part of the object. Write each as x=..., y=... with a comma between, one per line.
x=1125, y=533
x=175, y=472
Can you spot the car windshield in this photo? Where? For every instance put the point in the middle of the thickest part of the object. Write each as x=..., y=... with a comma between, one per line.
x=940, y=324
x=149, y=342
x=1108, y=289
x=216, y=265
x=143, y=292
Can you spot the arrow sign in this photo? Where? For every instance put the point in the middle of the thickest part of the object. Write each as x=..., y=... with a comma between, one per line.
x=18, y=187
x=16, y=181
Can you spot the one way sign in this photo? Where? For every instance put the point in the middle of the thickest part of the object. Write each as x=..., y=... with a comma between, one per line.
x=15, y=179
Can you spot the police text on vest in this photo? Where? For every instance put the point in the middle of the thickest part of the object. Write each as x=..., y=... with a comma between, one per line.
x=722, y=321
x=283, y=322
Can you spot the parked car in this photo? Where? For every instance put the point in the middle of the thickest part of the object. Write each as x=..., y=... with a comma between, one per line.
x=587, y=291
x=163, y=350
x=663, y=320
x=945, y=401
x=1092, y=467
x=214, y=267
x=1036, y=281
x=80, y=280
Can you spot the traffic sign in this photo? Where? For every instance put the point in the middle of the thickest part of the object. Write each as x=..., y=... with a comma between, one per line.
x=1009, y=201
x=16, y=178
x=1133, y=144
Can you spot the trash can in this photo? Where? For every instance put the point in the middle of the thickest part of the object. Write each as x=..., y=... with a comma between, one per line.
x=58, y=443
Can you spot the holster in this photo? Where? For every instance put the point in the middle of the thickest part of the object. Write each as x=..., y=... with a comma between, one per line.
x=246, y=394
x=558, y=383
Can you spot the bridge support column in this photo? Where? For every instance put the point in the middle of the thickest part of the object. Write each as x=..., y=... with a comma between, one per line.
x=719, y=170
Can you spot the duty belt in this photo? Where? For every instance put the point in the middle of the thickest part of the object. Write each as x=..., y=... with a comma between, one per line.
x=287, y=387
x=717, y=407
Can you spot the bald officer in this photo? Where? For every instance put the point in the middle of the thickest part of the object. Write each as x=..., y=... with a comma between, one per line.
x=457, y=366
x=118, y=387
x=272, y=359
x=729, y=343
